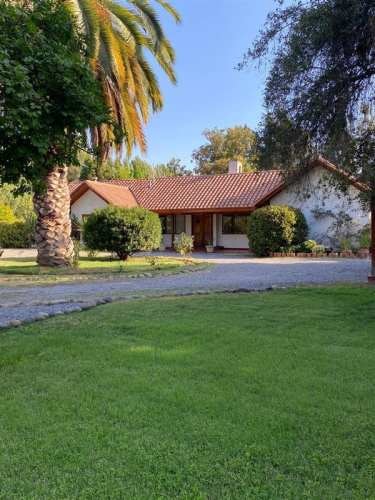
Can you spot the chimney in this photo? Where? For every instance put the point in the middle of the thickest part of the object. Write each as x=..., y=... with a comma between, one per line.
x=235, y=167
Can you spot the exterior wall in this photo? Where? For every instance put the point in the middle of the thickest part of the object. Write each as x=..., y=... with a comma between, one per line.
x=322, y=197
x=238, y=241
x=86, y=204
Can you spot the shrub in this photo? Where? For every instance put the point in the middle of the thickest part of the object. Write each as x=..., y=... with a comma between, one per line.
x=364, y=237
x=122, y=230
x=301, y=227
x=319, y=249
x=7, y=215
x=308, y=246
x=184, y=244
x=17, y=235
x=273, y=227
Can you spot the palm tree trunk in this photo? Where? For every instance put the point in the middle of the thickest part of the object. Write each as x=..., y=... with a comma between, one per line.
x=53, y=227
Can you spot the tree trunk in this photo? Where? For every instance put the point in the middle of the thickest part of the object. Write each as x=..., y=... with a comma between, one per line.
x=372, y=272
x=53, y=227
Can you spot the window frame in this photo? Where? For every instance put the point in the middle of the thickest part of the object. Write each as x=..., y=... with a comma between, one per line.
x=232, y=224
x=174, y=223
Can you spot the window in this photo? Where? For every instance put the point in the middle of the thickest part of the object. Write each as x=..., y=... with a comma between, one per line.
x=172, y=224
x=179, y=224
x=166, y=224
x=234, y=224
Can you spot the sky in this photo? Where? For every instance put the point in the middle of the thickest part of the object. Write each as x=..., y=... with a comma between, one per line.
x=209, y=43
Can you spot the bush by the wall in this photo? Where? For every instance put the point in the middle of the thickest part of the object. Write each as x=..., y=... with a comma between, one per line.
x=301, y=229
x=273, y=227
x=122, y=230
x=17, y=235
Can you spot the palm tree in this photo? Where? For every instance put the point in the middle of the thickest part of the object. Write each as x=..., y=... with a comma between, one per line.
x=118, y=38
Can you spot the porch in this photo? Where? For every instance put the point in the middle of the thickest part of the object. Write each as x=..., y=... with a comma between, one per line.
x=222, y=231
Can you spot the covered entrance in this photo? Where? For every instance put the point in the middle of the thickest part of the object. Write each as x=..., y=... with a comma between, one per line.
x=202, y=230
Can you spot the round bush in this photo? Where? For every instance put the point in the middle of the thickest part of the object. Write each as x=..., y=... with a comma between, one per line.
x=122, y=230
x=273, y=227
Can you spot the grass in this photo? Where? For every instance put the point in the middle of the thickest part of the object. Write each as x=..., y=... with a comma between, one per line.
x=264, y=396
x=23, y=270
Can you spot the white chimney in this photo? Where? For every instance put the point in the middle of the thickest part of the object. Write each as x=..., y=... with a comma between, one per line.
x=235, y=167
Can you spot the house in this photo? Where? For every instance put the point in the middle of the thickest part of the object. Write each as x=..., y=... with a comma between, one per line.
x=214, y=208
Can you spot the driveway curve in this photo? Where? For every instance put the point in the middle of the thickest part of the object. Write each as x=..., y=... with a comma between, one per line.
x=31, y=302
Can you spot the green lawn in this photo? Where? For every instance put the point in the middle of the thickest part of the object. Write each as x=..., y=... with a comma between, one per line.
x=27, y=270
x=264, y=396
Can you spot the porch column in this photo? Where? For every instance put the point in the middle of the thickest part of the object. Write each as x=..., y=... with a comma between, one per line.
x=214, y=230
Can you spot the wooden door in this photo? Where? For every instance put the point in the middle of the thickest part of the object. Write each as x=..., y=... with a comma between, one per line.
x=202, y=229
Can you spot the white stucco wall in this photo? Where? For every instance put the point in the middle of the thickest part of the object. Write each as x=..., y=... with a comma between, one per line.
x=86, y=204
x=239, y=241
x=322, y=196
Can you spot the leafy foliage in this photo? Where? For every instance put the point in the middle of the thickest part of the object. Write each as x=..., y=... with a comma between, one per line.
x=223, y=145
x=48, y=93
x=273, y=227
x=320, y=82
x=122, y=230
x=184, y=244
x=17, y=218
x=7, y=215
x=19, y=234
x=137, y=168
x=19, y=199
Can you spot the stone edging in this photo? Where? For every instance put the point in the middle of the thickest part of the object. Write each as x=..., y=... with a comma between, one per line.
x=330, y=255
x=106, y=300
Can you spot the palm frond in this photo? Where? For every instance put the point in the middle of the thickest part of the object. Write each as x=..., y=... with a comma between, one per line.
x=117, y=37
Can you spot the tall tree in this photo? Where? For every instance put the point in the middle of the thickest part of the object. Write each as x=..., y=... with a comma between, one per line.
x=116, y=39
x=320, y=86
x=223, y=145
x=48, y=97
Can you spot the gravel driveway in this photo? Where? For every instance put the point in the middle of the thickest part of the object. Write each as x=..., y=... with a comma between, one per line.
x=35, y=302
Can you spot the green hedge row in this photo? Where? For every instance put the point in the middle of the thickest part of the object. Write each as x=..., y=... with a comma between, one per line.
x=17, y=235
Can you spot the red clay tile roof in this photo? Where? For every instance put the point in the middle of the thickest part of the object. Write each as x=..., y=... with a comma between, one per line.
x=121, y=196
x=193, y=192
x=197, y=193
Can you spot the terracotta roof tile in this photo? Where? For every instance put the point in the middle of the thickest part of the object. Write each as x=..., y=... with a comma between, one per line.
x=121, y=196
x=195, y=192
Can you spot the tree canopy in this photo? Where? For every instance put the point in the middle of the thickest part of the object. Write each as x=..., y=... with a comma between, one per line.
x=48, y=94
x=320, y=82
x=320, y=92
x=223, y=145
x=137, y=168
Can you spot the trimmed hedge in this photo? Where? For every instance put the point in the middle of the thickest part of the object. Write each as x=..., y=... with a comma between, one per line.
x=122, y=230
x=17, y=235
x=274, y=227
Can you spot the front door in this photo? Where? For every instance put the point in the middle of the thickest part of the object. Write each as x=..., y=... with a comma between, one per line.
x=202, y=230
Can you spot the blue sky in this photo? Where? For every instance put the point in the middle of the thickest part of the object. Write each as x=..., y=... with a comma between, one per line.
x=211, y=40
